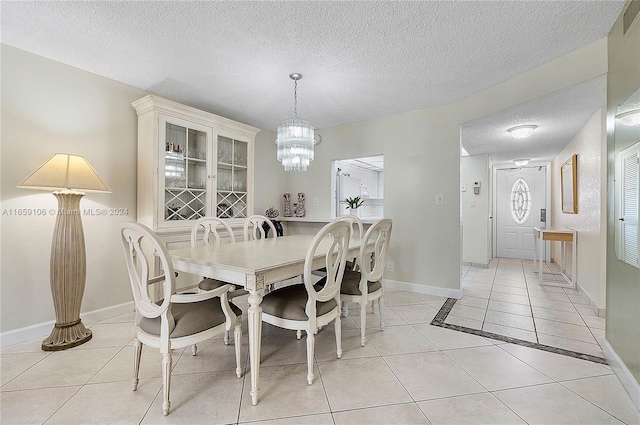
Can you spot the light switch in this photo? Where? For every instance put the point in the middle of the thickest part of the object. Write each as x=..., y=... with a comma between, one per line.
x=440, y=199
x=316, y=202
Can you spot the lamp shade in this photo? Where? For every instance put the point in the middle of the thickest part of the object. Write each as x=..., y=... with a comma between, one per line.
x=65, y=171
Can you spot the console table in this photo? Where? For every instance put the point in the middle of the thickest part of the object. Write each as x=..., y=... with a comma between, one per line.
x=560, y=234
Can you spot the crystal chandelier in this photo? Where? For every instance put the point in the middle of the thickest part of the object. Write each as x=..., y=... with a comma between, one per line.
x=295, y=137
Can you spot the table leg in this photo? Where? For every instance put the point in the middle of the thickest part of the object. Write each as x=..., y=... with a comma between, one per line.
x=255, y=338
x=564, y=257
x=540, y=256
x=574, y=258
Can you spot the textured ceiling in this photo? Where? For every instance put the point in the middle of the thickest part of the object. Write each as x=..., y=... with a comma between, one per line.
x=559, y=116
x=360, y=60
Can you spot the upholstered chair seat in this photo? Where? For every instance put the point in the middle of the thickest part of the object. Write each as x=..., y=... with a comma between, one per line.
x=190, y=319
x=290, y=302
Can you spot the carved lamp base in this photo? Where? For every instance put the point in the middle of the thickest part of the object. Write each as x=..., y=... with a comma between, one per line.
x=67, y=336
x=68, y=274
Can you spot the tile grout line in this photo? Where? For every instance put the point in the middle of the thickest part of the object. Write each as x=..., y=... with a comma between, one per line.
x=533, y=317
x=446, y=308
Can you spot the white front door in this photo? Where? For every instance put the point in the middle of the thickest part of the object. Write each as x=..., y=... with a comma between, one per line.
x=520, y=199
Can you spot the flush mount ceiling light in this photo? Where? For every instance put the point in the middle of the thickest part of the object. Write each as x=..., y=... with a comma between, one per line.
x=521, y=162
x=296, y=137
x=522, y=131
x=630, y=117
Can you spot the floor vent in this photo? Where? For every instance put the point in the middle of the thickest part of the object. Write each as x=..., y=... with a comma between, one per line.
x=629, y=15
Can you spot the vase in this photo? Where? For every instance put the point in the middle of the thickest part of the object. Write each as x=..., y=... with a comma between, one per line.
x=354, y=211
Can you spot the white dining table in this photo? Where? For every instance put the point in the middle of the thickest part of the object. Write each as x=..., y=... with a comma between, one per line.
x=254, y=265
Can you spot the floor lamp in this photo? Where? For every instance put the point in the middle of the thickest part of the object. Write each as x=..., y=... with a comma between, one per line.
x=69, y=176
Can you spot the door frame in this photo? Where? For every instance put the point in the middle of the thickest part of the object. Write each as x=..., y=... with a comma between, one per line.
x=494, y=189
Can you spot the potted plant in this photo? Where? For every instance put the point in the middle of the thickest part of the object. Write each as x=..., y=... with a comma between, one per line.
x=353, y=204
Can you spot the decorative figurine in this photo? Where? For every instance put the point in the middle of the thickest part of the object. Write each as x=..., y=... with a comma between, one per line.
x=287, y=204
x=300, y=211
x=272, y=212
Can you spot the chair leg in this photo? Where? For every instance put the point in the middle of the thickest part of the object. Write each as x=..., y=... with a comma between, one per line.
x=363, y=323
x=298, y=334
x=374, y=304
x=310, y=346
x=237, y=336
x=194, y=349
x=380, y=305
x=226, y=337
x=344, y=311
x=338, y=325
x=137, y=353
x=166, y=381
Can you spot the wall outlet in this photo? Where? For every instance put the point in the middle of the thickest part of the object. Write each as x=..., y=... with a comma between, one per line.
x=390, y=267
x=440, y=199
x=316, y=202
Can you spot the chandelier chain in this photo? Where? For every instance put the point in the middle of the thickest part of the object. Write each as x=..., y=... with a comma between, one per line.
x=295, y=98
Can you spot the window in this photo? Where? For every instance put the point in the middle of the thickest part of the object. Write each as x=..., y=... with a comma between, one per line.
x=520, y=201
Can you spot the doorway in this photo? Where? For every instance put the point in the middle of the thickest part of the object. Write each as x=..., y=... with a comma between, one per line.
x=521, y=199
x=363, y=177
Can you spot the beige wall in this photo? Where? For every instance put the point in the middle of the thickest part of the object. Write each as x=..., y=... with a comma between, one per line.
x=623, y=287
x=588, y=144
x=475, y=209
x=49, y=107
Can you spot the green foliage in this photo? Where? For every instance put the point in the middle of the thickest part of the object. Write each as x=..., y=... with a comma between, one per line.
x=353, y=203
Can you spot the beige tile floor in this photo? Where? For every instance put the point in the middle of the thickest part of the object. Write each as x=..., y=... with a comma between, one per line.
x=506, y=299
x=412, y=373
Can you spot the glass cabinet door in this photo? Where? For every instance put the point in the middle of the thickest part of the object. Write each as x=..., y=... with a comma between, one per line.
x=232, y=186
x=185, y=172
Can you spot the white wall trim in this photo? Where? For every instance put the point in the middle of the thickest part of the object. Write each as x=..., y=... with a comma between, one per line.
x=600, y=312
x=623, y=373
x=42, y=330
x=478, y=265
x=423, y=289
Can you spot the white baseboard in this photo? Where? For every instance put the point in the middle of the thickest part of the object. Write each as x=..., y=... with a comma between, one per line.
x=600, y=312
x=625, y=376
x=42, y=330
x=472, y=264
x=423, y=289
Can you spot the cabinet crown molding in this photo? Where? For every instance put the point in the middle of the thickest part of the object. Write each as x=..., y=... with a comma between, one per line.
x=155, y=103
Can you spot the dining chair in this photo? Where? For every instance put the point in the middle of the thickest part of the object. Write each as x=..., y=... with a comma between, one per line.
x=177, y=320
x=305, y=307
x=213, y=231
x=253, y=228
x=356, y=223
x=365, y=285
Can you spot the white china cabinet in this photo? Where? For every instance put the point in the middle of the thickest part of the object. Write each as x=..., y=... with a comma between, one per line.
x=191, y=164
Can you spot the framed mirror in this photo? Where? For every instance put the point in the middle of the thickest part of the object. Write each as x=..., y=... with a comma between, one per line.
x=568, y=183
